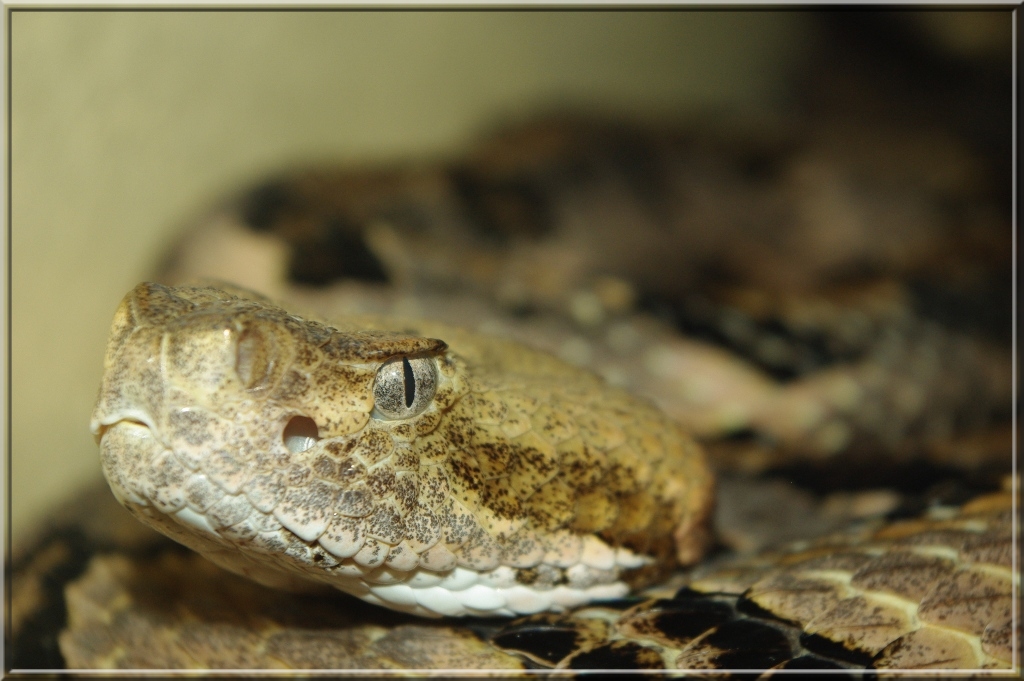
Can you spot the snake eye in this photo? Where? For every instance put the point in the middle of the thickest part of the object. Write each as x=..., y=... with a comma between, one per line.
x=404, y=387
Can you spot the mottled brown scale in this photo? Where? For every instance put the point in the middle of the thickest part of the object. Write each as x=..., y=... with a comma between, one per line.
x=433, y=486
x=969, y=600
x=386, y=523
x=994, y=548
x=381, y=482
x=405, y=492
x=861, y=623
x=356, y=502
x=903, y=574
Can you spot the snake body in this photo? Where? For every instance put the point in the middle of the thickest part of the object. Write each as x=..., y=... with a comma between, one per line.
x=512, y=484
x=827, y=319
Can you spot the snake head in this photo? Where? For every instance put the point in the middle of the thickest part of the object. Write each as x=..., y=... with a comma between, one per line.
x=485, y=478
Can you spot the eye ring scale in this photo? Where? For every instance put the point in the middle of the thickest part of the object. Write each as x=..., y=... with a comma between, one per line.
x=404, y=387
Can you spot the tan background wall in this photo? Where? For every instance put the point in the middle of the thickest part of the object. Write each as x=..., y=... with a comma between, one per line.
x=125, y=123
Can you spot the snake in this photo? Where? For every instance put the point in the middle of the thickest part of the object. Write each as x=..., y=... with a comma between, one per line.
x=509, y=508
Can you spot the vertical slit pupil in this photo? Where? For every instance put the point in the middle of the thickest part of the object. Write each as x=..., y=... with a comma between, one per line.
x=410, y=382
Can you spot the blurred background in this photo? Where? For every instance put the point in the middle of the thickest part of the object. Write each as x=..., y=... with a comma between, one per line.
x=126, y=125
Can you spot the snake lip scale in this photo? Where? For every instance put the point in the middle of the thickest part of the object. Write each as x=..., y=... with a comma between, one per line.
x=465, y=476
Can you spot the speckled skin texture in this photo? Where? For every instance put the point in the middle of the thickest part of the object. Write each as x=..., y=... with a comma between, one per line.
x=523, y=476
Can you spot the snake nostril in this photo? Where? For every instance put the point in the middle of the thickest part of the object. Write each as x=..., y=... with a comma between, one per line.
x=300, y=434
x=102, y=429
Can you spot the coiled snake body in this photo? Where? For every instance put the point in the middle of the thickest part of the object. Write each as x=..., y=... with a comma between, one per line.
x=440, y=471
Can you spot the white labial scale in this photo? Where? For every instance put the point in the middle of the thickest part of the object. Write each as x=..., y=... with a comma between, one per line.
x=370, y=598
x=459, y=579
x=395, y=594
x=424, y=579
x=567, y=597
x=502, y=577
x=439, y=601
x=483, y=597
x=478, y=598
x=526, y=601
x=194, y=520
x=126, y=497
